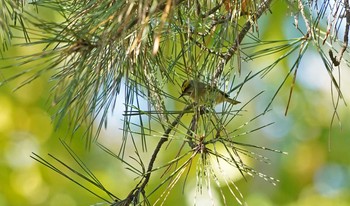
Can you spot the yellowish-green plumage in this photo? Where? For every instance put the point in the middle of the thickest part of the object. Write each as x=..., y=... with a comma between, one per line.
x=203, y=94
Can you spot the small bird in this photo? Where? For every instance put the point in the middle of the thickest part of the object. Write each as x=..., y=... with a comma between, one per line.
x=202, y=93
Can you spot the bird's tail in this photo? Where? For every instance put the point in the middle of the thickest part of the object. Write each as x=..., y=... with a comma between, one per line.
x=232, y=101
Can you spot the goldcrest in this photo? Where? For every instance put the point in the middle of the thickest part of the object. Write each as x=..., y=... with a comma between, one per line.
x=202, y=93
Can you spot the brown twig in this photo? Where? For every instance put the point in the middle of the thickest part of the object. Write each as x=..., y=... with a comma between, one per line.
x=306, y=20
x=140, y=187
x=246, y=27
x=336, y=60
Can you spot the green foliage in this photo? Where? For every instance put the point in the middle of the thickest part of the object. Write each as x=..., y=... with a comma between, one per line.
x=129, y=58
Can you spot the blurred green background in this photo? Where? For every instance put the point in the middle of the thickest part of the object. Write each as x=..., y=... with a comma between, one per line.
x=316, y=170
